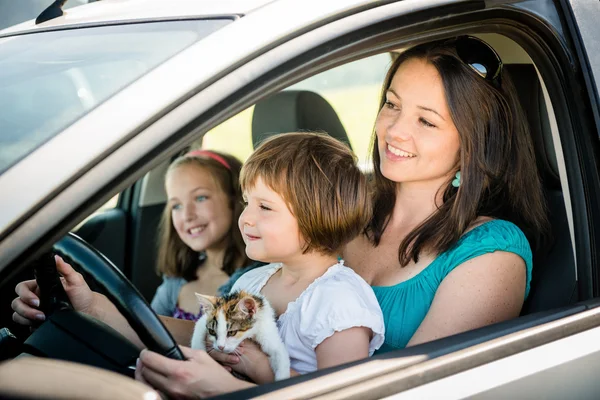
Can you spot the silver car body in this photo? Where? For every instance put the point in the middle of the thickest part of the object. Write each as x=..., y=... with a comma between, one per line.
x=121, y=139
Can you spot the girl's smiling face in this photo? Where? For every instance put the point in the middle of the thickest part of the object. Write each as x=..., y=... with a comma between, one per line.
x=268, y=227
x=200, y=210
x=417, y=139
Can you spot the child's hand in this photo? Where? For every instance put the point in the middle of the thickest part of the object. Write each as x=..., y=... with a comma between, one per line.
x=251, y=362
x=196, y=377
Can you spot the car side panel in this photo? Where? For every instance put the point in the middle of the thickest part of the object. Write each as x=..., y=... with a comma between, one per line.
x=563, y=369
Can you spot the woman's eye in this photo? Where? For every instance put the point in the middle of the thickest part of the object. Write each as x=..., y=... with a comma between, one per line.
x=176, y=207
x=389, y=104
x=231, y=333
x=244, y=203
x=201, y=198
x=426, y=123
x=211, y=332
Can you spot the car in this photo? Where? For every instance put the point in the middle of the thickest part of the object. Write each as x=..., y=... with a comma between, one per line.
x=95, y=103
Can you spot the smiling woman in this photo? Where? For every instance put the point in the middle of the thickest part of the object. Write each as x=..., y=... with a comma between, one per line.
x=406, y=115
x=442, y=241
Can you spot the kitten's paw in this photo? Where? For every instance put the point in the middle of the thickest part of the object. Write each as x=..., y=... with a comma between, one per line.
x=282, y=375
x=281, y=368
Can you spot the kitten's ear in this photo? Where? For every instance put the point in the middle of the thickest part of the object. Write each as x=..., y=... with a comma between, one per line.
x=207, y=303
x=248, y=305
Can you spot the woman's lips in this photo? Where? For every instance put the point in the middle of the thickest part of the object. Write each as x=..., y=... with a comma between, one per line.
x=395, y=154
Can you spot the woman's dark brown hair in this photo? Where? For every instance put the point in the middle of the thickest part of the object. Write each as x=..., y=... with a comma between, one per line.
x=175, y=258
x=499, y=177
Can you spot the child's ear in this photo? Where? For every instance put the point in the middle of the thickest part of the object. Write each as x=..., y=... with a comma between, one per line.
x=248, y=305
x=207, y=303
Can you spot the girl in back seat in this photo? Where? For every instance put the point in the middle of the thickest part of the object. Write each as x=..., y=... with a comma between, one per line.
x=200, y=244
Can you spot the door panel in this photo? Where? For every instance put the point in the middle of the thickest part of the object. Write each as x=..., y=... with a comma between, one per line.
x=564, y=369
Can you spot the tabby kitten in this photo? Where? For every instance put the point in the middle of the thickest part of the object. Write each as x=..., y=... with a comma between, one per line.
x=226, y=321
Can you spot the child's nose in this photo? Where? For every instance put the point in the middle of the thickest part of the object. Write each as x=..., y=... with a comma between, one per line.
x=246, y=218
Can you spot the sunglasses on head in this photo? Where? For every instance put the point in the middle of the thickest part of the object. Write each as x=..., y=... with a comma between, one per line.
x=480, y=57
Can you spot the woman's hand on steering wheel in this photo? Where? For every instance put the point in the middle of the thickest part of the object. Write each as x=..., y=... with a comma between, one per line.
x=25, y=306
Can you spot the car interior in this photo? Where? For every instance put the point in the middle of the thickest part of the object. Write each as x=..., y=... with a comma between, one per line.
x=553, y=285
x=127, y=233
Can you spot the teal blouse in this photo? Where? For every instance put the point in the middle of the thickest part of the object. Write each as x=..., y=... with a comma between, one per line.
x=405, y=305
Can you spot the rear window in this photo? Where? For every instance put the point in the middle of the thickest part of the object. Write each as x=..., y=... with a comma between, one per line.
x=49, y=80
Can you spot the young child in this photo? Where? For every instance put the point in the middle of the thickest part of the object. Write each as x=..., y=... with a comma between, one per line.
x=200, y=245
x=305, y=199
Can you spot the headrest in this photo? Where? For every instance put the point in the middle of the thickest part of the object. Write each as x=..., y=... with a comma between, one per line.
x=295, y=110
x=531, y=97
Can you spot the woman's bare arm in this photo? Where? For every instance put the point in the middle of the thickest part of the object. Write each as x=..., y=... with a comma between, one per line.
x=484, y=290
x=108, y=313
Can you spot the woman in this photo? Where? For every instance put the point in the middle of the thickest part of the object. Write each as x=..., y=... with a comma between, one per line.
x=451, y=158
x=447, y=249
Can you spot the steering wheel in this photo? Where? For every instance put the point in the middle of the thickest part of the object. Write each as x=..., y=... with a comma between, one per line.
x=84, y=333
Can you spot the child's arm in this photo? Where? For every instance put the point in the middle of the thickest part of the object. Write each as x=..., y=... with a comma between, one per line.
x=343, y=347
x=251, y=362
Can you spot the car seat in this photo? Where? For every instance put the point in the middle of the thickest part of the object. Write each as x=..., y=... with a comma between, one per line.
x=295, y=110
x=554, y=281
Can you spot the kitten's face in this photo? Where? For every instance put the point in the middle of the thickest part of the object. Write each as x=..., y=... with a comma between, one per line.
x=229, y=319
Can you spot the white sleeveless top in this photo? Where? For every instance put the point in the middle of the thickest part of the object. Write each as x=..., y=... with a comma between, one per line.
x=338, y=300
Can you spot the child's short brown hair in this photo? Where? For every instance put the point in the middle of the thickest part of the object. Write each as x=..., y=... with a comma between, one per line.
x=317, y=176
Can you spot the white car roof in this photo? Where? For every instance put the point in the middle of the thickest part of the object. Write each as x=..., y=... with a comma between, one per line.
x=107, y=11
